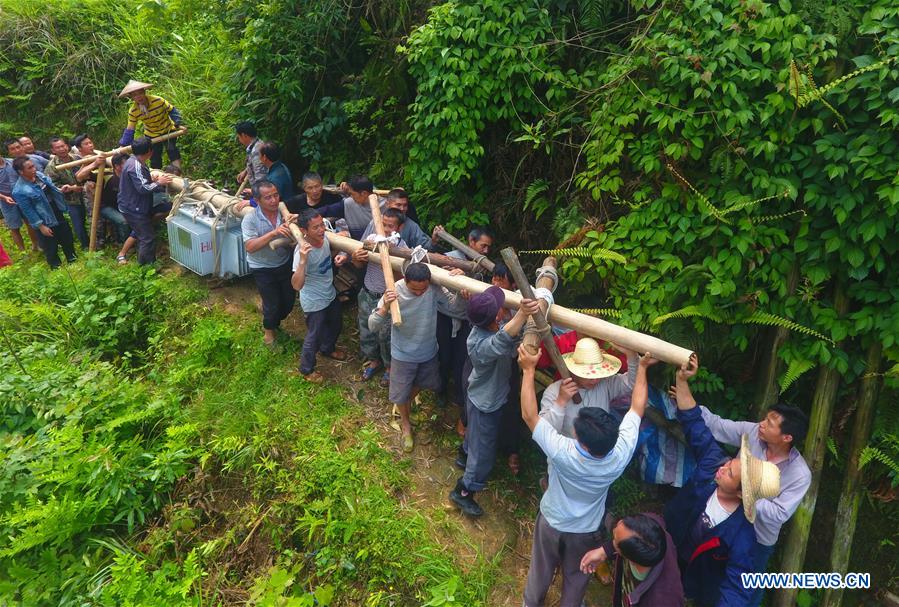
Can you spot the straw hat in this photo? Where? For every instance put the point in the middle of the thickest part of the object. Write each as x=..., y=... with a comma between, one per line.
x=133, y=86
x=589, y=361
x=759, y=479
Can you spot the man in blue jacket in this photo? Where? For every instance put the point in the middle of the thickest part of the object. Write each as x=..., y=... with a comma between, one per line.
x=711, y=517
x=44, y=207
x=136, y=189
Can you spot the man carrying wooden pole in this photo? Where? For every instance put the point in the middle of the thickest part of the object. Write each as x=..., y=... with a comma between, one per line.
x=159, y=118
x=375, y=205
x=477, y=249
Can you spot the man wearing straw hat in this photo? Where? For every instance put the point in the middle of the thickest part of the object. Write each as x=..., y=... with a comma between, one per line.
x=594, y=375
x=158, y=116
x=711, y=518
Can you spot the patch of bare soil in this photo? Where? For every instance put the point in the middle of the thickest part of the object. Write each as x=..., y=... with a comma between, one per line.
x=503, y=535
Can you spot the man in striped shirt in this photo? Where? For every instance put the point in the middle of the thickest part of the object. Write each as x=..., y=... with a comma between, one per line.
x=158, y=116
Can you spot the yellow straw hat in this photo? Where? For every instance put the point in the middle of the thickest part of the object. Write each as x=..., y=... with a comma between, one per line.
x=759, y=479
x=589, y=361
x=133, y=86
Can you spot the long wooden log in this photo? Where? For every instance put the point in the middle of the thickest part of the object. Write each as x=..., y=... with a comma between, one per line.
x=122, y=150
x=389, y=283
x=95, y=215
x=558, y=315
x=467, y=250
x=511, y=259
x=294, y=228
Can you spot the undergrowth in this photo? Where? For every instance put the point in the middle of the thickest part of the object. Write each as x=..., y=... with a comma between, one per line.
x=154, y=453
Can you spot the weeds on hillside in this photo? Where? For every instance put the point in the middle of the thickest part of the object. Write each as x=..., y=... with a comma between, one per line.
x=155, y=454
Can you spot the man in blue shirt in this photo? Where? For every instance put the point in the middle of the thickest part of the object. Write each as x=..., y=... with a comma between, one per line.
x=136, y=189
x=278, y=173
x=12, y=216
x=43, y=206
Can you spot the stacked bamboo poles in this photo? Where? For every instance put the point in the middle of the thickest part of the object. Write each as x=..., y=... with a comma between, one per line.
x=558, y=315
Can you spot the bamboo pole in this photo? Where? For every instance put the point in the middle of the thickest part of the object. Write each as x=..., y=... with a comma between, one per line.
x=558, y=315
x=814, y=451
x=389, y=283
x=847, y=509
x=122, y=150
x=294, y=228
x=511, y=259
x=95, y=215
x=335, y=189
x=464, y=248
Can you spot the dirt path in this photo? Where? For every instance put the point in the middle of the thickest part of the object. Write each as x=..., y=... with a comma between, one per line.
x=503, y=534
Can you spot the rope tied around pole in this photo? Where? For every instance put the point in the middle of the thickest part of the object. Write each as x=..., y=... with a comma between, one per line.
x=419, y=255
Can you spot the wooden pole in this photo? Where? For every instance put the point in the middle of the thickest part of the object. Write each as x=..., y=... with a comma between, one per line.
x=853, y=487
x=242, y=185
x=511, y=259
x=464, y=248
x=389, y=283
x=558, y=315
x=122, y=150
x=294, y=228
x=95, y=215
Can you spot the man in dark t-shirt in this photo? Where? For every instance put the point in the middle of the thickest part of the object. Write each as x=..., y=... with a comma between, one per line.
x=314, y=195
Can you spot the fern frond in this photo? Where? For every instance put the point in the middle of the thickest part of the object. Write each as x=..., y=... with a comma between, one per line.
x=817, y=93
x=701, y=311
x=772, y=320
x=570, y=252
x=870, y=454
x=794, y=370
x=751, y=203
x=610, y=312
x=765, y=218
x=712, y=209
x=535, y=189
x=594, y=253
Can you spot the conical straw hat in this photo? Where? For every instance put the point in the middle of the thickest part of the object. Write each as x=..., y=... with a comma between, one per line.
x=759, y=479
x=589, y=361
x=134, y=86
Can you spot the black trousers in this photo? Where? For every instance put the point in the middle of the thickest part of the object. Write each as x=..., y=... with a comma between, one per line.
x=452, y=353
x=278, y=296
x=322, y=330
x=142, y=229
x=62, y=237
x=156, y=157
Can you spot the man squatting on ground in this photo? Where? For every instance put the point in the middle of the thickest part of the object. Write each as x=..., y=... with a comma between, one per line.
x=375, y=345
x=313, y=277
x=413, y=344
x=491, y=346
x=582, y=469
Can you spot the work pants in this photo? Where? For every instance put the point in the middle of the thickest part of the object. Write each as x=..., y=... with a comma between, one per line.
x=558, y=549
x=62, y=237
x=278, y=295
x=322, y=331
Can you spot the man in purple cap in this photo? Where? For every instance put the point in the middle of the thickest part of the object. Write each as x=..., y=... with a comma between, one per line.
x=491, y=347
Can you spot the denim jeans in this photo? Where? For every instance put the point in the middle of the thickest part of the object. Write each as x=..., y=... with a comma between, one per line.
x=122, y=228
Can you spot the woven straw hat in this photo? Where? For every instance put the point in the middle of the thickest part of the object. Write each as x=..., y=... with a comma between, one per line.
x=133, y=86
x=759, y=479
x=589, y=361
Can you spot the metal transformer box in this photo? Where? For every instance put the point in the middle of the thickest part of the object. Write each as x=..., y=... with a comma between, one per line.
x=191, y=243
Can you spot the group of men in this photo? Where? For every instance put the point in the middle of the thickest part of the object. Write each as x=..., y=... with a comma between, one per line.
x=39, y=190
x=722, y=523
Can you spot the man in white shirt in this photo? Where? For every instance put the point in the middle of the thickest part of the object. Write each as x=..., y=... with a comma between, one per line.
x=581, y=471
